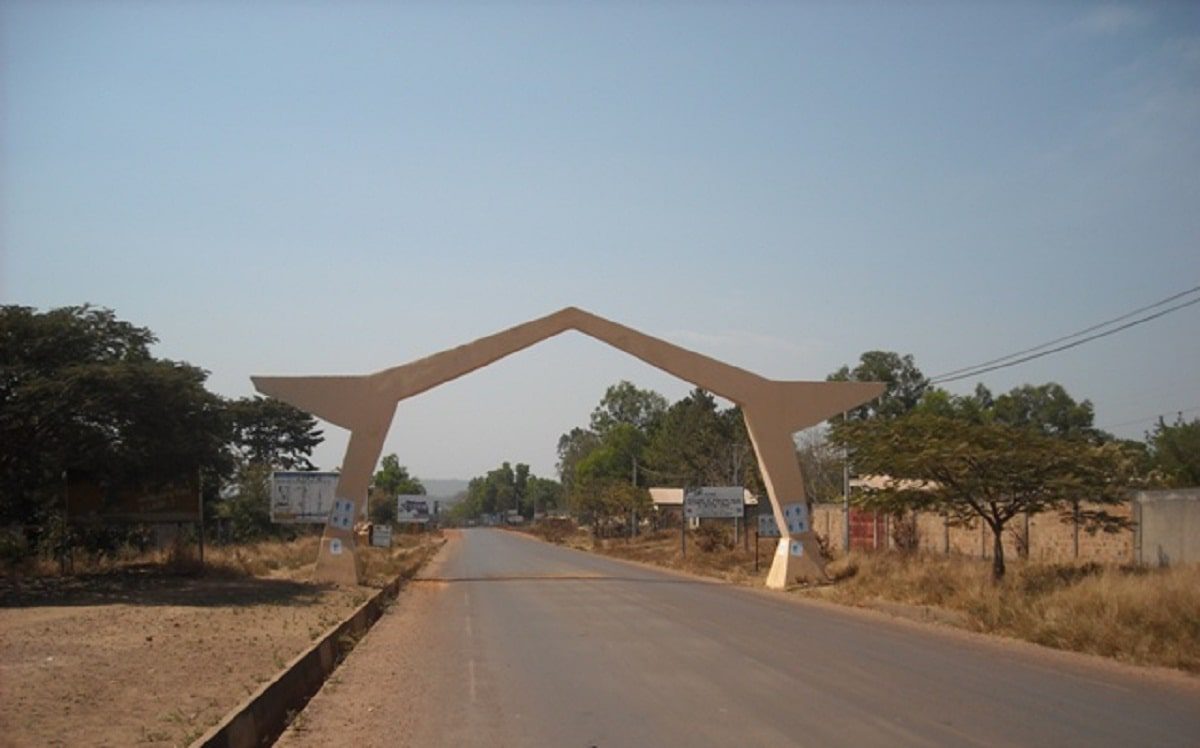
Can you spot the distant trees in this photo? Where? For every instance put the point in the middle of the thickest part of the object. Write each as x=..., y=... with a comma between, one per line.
x=391, y=481
x=636, y=438
x=509, y=488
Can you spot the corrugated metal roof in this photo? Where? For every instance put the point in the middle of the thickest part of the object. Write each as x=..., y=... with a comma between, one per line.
x=664, y=496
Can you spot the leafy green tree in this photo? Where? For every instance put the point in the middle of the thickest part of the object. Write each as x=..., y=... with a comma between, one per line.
x=270, y=432
x=507, y=488
x=573, y=447
x=80, y=392
x=1048, y=409
x=976, y=407
x=247, y=509
x=393, y=479
x=905, y=384
x=1175, y=452
x=543, y=495
x=624, y=403
x=989, y=470
x=693, y=445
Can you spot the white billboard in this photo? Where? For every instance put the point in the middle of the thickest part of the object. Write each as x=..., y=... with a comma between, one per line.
x=412, y=508
x=713, y=501
x=299, y=497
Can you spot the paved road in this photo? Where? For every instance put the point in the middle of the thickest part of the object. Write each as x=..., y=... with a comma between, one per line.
x=509, y=641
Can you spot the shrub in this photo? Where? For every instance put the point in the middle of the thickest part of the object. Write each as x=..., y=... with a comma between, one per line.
x=711, y=537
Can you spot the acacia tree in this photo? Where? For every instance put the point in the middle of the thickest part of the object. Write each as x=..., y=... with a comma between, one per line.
x=989, y=470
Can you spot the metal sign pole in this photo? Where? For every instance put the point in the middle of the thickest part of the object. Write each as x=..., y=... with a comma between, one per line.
x=683, y=533
x=200, y=492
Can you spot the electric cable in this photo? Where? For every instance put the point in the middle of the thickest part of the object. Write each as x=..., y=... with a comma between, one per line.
x=980, y=368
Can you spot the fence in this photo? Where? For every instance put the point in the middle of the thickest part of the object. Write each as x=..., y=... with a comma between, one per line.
x=1043, y=537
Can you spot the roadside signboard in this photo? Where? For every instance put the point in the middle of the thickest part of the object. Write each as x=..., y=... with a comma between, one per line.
x=767, y=528
x=299, y=497
x=796, y=516
x=412, y=508
x=92, y=500
x=713, y=501
x=381, y=536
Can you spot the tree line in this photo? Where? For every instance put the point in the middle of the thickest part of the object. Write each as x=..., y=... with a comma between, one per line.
x=82, y=394
x=980, y=456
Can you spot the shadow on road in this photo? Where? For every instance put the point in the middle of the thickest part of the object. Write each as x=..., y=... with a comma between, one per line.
x=150, y=585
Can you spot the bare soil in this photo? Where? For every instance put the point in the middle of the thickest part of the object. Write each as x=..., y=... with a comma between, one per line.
x=144, y=655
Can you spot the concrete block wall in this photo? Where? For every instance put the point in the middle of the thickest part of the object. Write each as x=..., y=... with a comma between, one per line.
x=1168, y=526
x=1049, y=537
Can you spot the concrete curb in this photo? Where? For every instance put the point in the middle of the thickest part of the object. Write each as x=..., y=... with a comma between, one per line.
x=263, y=716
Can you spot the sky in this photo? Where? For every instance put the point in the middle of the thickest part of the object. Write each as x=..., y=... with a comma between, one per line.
x=321, y=188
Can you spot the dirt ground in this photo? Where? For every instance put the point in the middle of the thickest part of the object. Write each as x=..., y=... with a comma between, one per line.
x=143, y=656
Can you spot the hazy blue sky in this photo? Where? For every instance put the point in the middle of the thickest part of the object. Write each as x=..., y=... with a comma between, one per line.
x=340, y=187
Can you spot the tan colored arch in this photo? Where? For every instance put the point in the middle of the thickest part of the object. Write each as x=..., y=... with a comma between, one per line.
x=774, y=410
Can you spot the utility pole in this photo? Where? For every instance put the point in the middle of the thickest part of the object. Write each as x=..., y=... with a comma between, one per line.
x=845, y=494
x=633, y=508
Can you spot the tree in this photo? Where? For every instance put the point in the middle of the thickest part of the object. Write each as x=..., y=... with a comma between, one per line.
x=820, y=465
x=270, y=432
x=543, y=495
x=905, y=384
x=1048, y=409
x=507, y=488
x=80, y=392
x=624, y=403
x=573, y=446
x=990, y=470
x=1175, y=452
x=392, y=479
x=693, y=444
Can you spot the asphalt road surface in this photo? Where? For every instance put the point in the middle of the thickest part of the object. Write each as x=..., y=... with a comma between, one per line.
x=509, y=641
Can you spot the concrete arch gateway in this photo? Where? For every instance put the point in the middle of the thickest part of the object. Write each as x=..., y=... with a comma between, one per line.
x=774, y=410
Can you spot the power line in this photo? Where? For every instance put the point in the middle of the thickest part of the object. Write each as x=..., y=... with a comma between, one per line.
x=983, y=369
x=967, y=371
x=1149, y=418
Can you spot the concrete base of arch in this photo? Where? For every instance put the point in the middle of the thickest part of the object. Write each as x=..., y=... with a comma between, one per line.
x=797, y=560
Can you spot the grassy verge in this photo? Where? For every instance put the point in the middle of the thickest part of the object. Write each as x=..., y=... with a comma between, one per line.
x=1134, y=614
x=268, y=559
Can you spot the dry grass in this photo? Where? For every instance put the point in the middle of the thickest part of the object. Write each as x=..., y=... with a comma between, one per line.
x=1144, y=616
x=734, y=564
x=281, y=559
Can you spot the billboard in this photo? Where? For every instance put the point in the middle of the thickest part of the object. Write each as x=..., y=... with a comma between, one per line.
x=91, y=499
x=713, y=501
x=299, y=497
x=412, y=508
